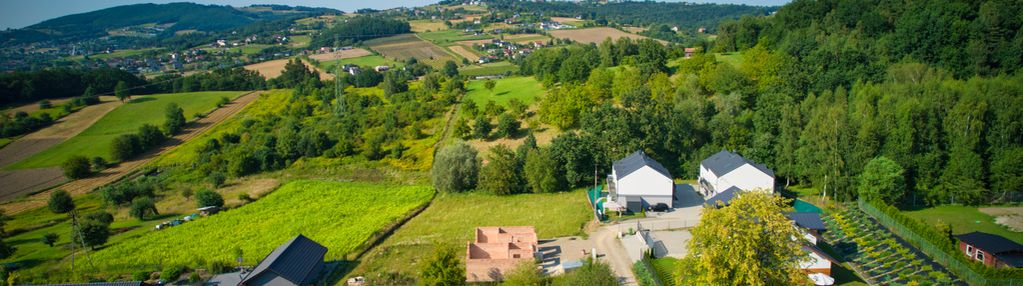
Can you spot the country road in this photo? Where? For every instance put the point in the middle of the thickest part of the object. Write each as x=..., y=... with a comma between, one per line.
x=79, y=187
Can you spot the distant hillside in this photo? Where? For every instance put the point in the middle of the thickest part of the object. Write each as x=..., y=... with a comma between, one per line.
x=162, y=20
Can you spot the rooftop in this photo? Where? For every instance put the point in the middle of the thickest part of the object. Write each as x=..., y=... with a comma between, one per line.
x=294, y=260
x=636, y=161
x=724, y=162
x=807, y=220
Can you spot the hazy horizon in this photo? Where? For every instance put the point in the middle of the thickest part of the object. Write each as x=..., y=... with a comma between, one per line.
x=20, y=14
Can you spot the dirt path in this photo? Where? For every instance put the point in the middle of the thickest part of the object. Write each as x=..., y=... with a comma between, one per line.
x=79, y=187
x=64, y=128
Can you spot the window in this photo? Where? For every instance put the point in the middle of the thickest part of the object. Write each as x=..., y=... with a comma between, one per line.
x=980, y=255
x=969, y=250
x=515, y=256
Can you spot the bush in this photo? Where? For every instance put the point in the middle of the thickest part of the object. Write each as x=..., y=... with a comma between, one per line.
x=174, y=119
x=140, y=276
x=124, y=147
x=172, y=273
x=643, y=275
x=98, y=163
x=217, y=179
x=150, y=136
x=77, y=167
x=45, y=104
x=61, y=202
x=218, y=266
x=223, y=101
x=206, y=198
x=245, y=198
x=507, y=126
x=143, y=206
x=455, y=168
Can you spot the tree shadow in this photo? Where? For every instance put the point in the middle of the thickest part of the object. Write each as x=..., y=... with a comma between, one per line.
x=140, y=100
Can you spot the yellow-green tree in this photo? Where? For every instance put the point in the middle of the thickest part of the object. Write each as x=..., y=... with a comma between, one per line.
x=749, y=242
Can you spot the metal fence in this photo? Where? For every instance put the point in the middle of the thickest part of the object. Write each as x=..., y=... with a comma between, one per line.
x=666, y=224
x=946, y=259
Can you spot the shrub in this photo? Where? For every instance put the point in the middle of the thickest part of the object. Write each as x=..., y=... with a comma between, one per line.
x=45, y=104
x=455, y=168
x=217, y=179
x=150, y=136
x=98, y=163
x=643, y=275
x=61, y=202
x=124, y=147
x=206, y=198
x=175, y=119
x=142, y=206
x=223, y=101
x=172, y=273
x=218, y=266
x=140, y=276
x=76, y=167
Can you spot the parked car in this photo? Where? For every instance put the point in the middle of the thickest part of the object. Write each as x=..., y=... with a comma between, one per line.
x=660, y=207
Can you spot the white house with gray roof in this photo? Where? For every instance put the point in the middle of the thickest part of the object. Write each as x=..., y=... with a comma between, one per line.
x=725, y=174
x=637, y=182
x=297, y=262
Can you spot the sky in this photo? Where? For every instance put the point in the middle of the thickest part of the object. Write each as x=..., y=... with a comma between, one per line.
x=20, y=13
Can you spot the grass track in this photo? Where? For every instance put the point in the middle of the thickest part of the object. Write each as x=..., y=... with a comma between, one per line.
x=964, y=219
x=526, y=89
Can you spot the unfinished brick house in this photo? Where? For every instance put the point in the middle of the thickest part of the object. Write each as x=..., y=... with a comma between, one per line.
x=497, y=250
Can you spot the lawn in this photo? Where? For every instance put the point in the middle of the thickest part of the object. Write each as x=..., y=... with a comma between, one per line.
x=300, y=41
x=451, y=218
x=114, y=54
x=341, y=216
x=526, y=89
x=734, y=59
x=448, y=37
x=364, y=61
x=125, y=119
x=665, y=268
x=964, y=219
x=498, y=68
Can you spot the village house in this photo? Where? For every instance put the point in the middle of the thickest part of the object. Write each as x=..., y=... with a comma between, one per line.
x=818, y=266
x=990, y=249
x=295, y=263
x=725, y=174
x=497, y=250
x=638, y=182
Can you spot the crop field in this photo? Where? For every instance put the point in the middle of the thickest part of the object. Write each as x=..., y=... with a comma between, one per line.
x=403, y=47
x=365, y=61
x=451, y=218
x=268, y=69
x=498, y=68
x=594, y=35
x=420, y=26
x=341, y=216
x=464, y=52
x=524, y=88
x=448, y=37
x=127, y=118
x=964, y=219
x=882, y=257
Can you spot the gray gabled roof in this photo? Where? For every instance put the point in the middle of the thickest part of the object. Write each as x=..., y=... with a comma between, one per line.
x=992, y=243
x=294, y=260
x=635, y=161
x=807, y=220
x=724, y=162
x=725, y=197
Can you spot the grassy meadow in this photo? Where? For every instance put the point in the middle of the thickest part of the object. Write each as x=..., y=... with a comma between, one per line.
x=125, y=119
x=451, y=218
x=341, y=216
x=448, y=37
x=964, y=219
x=364, y=61
x=525, y=89
x=488, y=69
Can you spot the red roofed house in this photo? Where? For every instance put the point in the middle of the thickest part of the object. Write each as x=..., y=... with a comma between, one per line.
x=497, y=250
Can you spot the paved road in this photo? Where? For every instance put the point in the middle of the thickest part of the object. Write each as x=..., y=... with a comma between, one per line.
x=82, y=186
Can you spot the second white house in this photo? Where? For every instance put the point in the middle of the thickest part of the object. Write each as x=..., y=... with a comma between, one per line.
x=725, y=174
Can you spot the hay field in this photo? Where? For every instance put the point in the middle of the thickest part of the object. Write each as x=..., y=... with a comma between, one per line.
x=420, y=26
x=464, y=52
x=595, y=35
x=403, y=47
x=268, y=69
x=344, y=54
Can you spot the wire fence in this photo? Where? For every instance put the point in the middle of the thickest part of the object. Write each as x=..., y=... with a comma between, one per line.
x=666, y=224
x=946, y=259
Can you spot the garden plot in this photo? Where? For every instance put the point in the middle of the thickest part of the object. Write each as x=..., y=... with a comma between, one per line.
x=879, y=256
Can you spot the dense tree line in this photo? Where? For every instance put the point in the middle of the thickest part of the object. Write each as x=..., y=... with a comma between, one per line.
x=639, y=13
x=358, y=29
x=839, y=42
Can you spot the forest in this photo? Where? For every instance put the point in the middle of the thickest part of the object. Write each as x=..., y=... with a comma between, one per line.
x=638, y=13
x=359, y=29
x=957, y=138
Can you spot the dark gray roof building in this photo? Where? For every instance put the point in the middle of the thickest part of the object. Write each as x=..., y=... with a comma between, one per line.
x=724, y=198
x=807, y=220
x=635, y=161
x=724, y=162
x=296, y=262
x=132, y=283
x=1006, y=250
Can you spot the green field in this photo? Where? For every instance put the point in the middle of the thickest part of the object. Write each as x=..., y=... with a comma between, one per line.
x=125, y=119
x=498, y=68
x=364, y=61
x=734, y=59
x=114, y=54
x=451, y=218
x=341, y=216
x=447, y=37
x=300, y=41
x=526, y=89
x=964, y=219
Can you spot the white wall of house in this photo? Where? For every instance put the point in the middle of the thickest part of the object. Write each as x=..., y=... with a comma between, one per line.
x=646, y=183
x=747, y=177
x=816, y=262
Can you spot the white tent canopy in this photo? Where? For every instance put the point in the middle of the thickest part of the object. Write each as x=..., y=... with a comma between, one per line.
x=821, y=279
